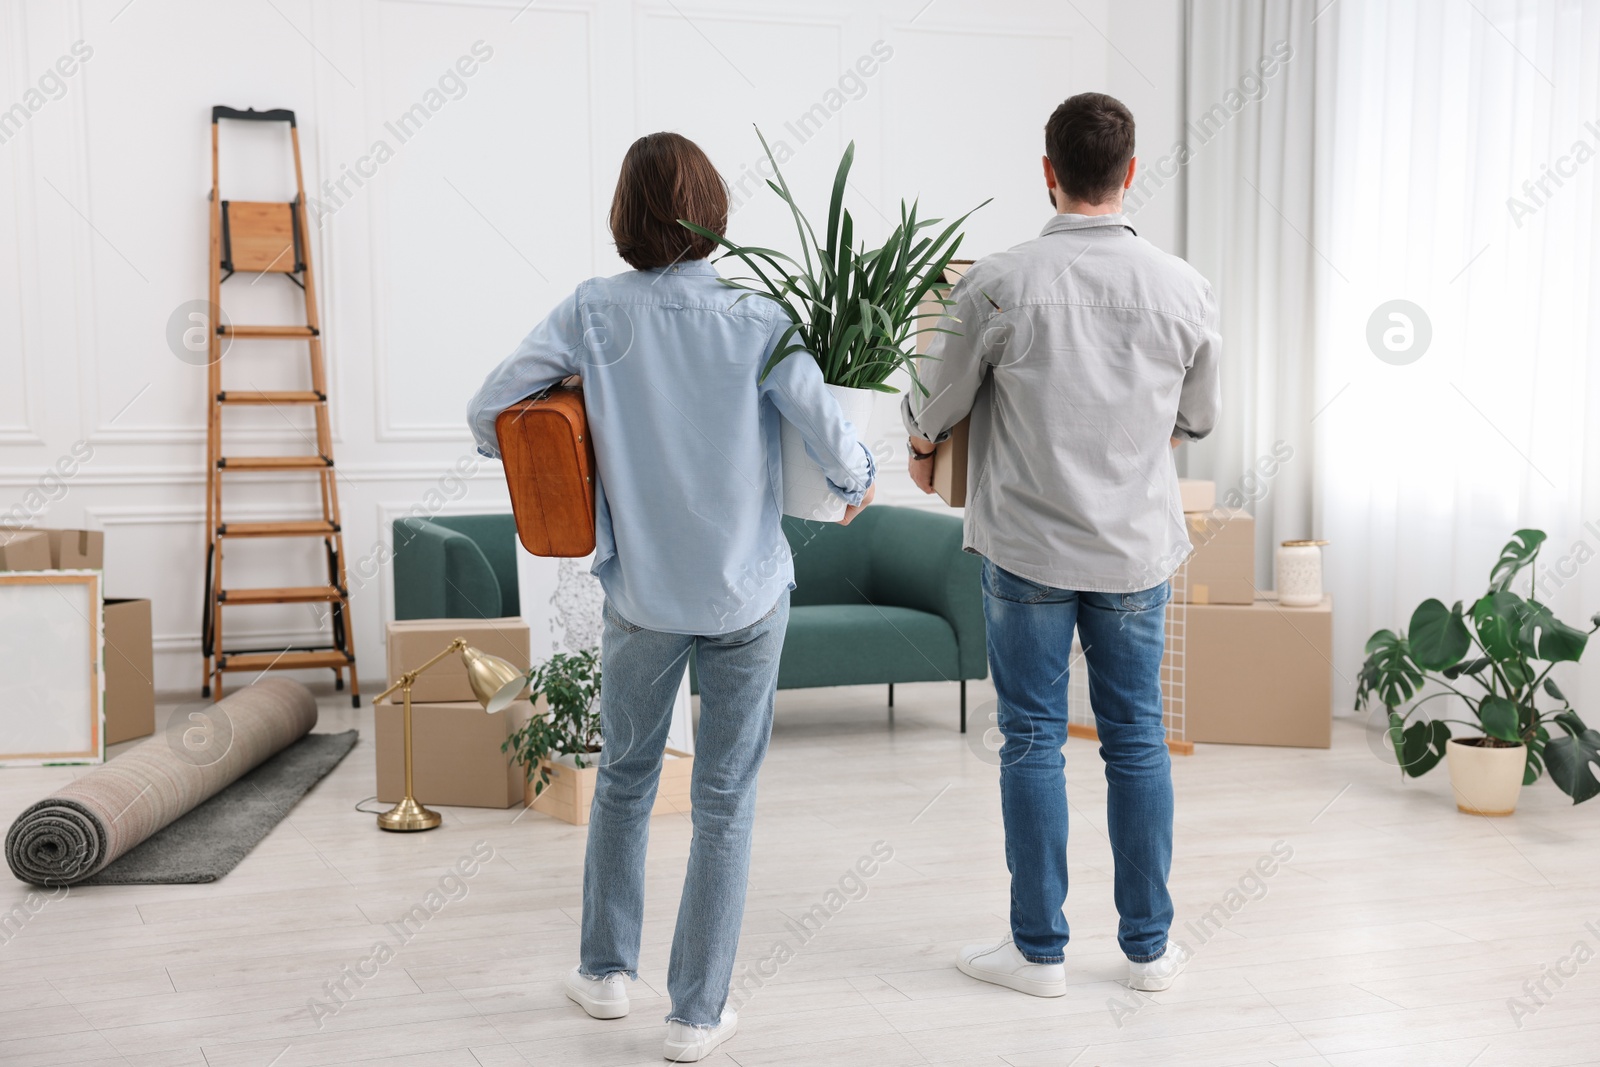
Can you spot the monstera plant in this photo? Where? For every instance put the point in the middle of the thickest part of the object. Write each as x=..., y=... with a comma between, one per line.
x=1495, y=656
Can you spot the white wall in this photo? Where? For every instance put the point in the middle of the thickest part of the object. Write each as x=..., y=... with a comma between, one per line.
x=437, y=264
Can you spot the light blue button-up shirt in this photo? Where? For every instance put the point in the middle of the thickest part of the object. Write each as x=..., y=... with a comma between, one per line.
x=688, y=503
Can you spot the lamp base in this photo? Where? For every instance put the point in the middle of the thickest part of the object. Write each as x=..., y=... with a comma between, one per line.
x=408, y=816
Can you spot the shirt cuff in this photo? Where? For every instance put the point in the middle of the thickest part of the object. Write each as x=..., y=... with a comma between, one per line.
x=854, y=497
x=910, y=421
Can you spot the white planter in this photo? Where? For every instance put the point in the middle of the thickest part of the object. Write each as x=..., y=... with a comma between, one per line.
x=805, y=488
x=1486, y=781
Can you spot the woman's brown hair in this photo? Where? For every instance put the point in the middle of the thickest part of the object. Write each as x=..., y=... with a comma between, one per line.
x=666, y=177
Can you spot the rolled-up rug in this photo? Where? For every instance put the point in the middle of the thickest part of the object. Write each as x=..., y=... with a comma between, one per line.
x=86, y=825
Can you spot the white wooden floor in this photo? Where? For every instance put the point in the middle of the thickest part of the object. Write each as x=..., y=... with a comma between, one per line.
x=1396, y=934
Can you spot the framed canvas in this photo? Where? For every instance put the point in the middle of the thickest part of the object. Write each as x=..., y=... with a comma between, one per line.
x=52, y=689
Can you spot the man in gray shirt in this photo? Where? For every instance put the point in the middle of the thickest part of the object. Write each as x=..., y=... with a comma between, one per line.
x=1079, y=355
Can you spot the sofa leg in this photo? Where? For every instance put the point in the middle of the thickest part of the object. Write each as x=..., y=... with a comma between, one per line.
x=963, y=706
x=891, y=694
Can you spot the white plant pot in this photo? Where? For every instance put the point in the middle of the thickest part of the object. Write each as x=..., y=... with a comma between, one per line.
x=805, y=488
x=1486, y=781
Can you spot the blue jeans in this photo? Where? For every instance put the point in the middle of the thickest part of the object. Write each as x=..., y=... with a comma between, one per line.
x=1030, y=647
x=640, y=672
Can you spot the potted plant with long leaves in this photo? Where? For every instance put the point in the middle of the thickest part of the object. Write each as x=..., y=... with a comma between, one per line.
x=856, y=310
x=1494, y=658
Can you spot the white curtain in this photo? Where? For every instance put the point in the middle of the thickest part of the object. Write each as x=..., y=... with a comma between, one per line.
x=1423, y=469
x=1251, y=103
x=1426, y=119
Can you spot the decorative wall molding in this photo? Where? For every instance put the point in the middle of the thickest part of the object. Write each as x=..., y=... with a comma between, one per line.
x=86, y=324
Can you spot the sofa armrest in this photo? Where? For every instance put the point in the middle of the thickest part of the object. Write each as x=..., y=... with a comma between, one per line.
x=918, y=562
x=441, y=574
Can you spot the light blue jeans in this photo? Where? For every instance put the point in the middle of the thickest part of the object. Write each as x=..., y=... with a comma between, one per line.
x=1030, y=647
x=640, y=672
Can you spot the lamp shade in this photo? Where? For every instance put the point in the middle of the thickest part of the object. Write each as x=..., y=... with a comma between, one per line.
x=495, y=683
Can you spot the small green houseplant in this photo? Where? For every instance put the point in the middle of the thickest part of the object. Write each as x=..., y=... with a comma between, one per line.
x=1496, y=658
x=570, y=685
x=856, y=310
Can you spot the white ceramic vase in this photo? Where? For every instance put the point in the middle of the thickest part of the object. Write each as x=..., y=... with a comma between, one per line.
x=1485, y=780
x=805, y=488
x=1299, y=574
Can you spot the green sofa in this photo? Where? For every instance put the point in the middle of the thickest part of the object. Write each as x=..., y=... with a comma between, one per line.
x=889, y=598
x=456, y=567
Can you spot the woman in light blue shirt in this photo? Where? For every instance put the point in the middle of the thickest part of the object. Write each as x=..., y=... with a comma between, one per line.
x=691, y=554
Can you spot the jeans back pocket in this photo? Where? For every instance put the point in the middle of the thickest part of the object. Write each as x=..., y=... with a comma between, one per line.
x=1147, y=599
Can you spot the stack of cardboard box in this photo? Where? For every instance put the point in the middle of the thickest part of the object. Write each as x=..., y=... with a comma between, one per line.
x=130, y=707
x=1255, y=672
x=455, y=744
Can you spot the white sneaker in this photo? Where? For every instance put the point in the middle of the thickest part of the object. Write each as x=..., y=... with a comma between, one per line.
x=686, y=1043
x=1004, y=964
x=1159, y=973
x=602, y=998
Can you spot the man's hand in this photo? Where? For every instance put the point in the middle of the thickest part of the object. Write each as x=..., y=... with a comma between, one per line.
x=852, y=510
x=919, y=463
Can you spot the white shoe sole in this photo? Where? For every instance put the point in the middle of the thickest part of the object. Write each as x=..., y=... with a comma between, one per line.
x=597, y=1009
x=678, y=1052
x=1153, y=985
x=1030, y=986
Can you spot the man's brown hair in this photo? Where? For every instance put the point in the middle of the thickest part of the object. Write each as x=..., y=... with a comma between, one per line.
x=666, y=177
x=1089, y=140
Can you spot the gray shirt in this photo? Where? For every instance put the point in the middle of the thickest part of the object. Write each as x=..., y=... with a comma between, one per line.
x=1079, y=355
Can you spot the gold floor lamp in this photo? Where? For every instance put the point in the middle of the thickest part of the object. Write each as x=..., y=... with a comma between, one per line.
x=495, y=683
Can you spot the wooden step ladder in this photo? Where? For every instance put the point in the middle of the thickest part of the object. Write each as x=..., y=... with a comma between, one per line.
x=269, y=238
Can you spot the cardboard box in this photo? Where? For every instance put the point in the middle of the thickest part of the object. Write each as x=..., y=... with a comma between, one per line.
x=130, y=671
x=571, y=789
x=1197, y=494
x=24, y=550
x=1222, y=569
x=1259, y=674
x=950, y=457
x=70, y=550
x=412, y=642
x=455, y=754
x=950, y=465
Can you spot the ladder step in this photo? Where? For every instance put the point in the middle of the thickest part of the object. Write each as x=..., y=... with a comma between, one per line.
x=268, y=331
x=289, y=594
x=239, y=396
x=316, y=528
x=273, y=463
x=283, y=661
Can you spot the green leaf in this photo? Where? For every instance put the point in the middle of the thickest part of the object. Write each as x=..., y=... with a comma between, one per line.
x=1517, y=554
x=1548, y=638
x=1420, y=746
x=1569, y=721
x=1551, y=688
x=1533, y=768
x=1498, y=619
x=1517, y=672
x=1499, y=718
x=1471, y=667
x=1438, y=637
x=1388, y=672
x=1572, y=761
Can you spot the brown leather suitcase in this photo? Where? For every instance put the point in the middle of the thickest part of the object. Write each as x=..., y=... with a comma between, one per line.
x=549, y=461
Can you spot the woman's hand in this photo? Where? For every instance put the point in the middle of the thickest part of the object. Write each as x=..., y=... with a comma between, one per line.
x=852, y=510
